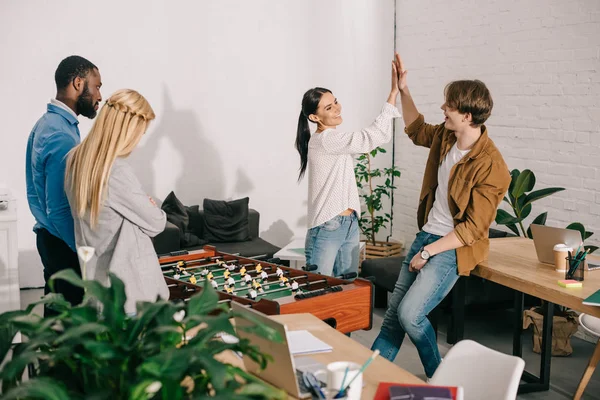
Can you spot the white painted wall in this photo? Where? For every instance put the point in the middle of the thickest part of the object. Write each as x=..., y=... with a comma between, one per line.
x=540, y=59
x=225, y=78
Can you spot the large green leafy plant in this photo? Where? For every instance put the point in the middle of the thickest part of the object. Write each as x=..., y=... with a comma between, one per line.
x=520, y=197
x=373, y=184
x=96, y=351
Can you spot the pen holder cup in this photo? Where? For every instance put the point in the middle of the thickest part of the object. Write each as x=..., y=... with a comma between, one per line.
x=575, y=269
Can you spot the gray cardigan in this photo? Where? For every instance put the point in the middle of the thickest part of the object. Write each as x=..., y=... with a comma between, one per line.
x=126, y=222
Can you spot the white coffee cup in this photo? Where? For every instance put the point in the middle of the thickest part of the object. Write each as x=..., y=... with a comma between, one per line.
x=334, y=375
x=561, y=251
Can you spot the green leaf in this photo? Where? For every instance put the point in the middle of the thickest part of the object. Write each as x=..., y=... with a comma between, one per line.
x=204, y=302
x=514, y=229
x=591, y=248
x=15, y=367
x=524, y=183
x=78, y=332
x=114, y=311
x=504, y=218
x=68, y=275
x=540, y=194
x=539, y=220
x=525, y=211
x=39, y=388
x=587, y=235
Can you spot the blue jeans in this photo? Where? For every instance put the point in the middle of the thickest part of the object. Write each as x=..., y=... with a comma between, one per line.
x=334, y=245
x=414, y=296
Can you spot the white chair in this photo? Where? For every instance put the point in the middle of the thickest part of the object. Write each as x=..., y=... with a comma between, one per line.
x=483, y=373
x=592, y=325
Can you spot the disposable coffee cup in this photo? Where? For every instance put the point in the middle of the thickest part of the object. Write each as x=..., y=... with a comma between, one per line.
x=561, y=252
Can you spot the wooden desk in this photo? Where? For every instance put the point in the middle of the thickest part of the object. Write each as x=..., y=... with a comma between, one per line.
x=513, y=263
x=346, y=349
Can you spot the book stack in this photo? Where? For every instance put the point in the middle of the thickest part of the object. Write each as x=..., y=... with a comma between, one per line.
x=399, y=391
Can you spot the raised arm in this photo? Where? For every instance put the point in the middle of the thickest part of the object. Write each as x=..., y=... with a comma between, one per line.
x=418, y=131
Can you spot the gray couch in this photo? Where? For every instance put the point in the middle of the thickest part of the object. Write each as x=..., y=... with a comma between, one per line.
x=169, y=239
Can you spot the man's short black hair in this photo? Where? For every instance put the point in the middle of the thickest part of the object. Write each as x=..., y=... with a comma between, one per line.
x=71, y=68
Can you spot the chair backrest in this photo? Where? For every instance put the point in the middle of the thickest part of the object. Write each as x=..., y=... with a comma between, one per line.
x=590, y=324
x=483, y=373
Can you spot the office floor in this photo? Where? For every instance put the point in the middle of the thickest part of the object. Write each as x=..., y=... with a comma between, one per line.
x=495, y=331
x=492, y=330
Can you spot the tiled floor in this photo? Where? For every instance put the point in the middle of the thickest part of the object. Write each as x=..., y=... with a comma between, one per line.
x=492, y=330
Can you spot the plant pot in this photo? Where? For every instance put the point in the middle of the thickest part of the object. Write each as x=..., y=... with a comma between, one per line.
x=382, y=249
x=563, y=327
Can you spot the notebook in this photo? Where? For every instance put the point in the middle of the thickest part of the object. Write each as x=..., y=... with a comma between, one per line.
x=383, y=390
x=304, y=342
x=420, y=393
x=593, y=300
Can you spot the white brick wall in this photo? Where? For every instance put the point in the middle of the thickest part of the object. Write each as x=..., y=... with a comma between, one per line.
x=541, y=61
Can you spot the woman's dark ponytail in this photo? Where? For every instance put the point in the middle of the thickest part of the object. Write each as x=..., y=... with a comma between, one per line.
x=310, y=103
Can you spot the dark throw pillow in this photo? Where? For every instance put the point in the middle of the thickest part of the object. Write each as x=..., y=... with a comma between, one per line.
x=177, y=214
x=226, y=221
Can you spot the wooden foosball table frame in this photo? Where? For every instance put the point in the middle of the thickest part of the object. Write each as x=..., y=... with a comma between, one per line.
x=347, y=305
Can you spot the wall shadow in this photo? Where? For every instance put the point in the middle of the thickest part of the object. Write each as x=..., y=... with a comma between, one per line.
x=278, y=233
x=179, y=157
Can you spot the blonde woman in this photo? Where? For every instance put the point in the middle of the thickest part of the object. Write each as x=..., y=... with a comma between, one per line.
x=112, y=213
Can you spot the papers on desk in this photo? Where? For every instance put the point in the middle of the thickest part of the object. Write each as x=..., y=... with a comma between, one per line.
x=593, y=300
x=299, y=251
x=304, y=342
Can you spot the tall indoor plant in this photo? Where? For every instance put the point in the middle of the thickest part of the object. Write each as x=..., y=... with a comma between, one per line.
x=520, y=197
x=373, y=185
x=106, y=354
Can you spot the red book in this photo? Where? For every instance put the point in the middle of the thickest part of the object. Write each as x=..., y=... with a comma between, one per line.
x=383, y=390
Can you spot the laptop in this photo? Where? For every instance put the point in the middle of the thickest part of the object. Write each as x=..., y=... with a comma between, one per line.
x=545, y=237
x=285, y=370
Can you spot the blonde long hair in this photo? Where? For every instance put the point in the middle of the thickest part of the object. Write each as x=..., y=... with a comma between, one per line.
x=118, y=128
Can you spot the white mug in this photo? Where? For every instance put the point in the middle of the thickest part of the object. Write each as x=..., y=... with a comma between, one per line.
x=334, y=375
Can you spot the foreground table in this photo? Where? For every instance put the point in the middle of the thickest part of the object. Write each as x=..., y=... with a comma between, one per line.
x=344, y=349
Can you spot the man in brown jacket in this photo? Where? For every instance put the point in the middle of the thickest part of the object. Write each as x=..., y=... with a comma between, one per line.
x=465, y=180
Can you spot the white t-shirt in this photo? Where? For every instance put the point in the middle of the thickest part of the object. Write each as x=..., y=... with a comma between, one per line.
x=440, y=220
x=331, y=181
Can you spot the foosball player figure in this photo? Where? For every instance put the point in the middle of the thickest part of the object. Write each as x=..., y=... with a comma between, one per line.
x=264, y=276
x=214, y=283
x=242, y=271
x=279, y=272
x=228, y=289
x=247, y=279
x=231, y=282
x=209, y=276
x=230, y=267
x=193, y=279
x=284, y=281
x=252, y=294
x=295, y=287
x=257, y=286
x=226, y=274
x=258, y=269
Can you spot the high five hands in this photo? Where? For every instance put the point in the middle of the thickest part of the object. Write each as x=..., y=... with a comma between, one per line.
x=398, y=78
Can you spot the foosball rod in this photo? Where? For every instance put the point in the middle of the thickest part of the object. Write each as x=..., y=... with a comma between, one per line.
x=171, y=264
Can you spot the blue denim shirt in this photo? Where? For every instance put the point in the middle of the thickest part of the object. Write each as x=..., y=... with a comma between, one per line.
x=52, y=137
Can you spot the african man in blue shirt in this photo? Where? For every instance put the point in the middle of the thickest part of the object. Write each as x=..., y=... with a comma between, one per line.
x=78, y=85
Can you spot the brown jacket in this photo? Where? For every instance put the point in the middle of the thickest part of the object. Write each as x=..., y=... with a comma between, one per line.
x=476, y=187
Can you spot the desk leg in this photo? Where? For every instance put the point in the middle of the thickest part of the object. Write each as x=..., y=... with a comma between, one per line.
x=456, y=327
x=518, y=328
x=541, y=383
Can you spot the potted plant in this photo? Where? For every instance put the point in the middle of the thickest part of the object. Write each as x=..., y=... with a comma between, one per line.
x=373, y=184
x=520, y=197
x=95, y=350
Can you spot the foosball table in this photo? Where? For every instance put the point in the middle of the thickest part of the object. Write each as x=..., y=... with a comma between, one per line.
x=270, y=288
